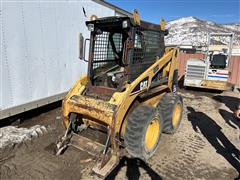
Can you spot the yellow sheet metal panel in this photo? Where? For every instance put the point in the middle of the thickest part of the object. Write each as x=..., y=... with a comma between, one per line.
x=219, y=85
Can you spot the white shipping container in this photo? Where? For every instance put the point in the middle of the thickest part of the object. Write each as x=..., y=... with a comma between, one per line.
x=39, y=50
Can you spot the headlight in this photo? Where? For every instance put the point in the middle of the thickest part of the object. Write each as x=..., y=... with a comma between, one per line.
x=125, y=24
x=90, y=27
x=93, y=18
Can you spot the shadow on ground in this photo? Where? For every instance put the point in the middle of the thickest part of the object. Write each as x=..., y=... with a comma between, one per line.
x=230, y=119
x=133, y=169
x=201, y=123
x=229, y=101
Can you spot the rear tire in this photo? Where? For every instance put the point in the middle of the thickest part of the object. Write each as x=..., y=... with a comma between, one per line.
x=171, y=107
x=143, y=132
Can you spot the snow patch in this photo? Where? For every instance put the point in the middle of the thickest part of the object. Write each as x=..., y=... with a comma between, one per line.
x=183, y=20
x=11, y=135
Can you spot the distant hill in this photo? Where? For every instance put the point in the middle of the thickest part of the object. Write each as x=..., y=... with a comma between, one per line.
x=193, y=31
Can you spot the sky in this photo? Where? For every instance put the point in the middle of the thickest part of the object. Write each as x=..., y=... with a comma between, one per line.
x=219, y=11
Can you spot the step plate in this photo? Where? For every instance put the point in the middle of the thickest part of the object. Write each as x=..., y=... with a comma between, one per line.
x=85, y=144
x=95, y=149
x=107, y=168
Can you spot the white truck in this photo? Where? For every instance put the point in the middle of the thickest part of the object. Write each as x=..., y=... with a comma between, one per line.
x=212, y=71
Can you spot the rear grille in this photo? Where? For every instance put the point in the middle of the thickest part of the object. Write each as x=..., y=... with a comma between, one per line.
x=195, y=72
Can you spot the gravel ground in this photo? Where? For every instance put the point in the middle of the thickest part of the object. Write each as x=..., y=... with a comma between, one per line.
x=205, y=147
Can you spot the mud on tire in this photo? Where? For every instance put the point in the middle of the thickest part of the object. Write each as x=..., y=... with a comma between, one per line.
x=167, y=107
x=138, y=124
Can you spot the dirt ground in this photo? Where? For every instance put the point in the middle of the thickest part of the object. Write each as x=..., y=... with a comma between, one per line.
x=205, y=147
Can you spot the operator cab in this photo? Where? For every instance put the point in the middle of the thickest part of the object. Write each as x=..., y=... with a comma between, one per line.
x=109, y=40
x=218, y=60
x=120, y=51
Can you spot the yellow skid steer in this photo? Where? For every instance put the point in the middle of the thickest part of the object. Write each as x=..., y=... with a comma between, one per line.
x=128, y=93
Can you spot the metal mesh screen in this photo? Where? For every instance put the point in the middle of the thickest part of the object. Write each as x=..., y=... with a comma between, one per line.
x=107, y=56
x=107, y=49
x=100, y=48
x=154, y=45
x=147, y=46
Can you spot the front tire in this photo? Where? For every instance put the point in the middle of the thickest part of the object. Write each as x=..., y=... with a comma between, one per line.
x=143, y=132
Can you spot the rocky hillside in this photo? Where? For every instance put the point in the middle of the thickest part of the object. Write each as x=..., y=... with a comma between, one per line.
x=193, y=31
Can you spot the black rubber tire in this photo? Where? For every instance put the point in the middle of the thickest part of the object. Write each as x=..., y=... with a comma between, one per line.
x=166, y=107
x=136, y=129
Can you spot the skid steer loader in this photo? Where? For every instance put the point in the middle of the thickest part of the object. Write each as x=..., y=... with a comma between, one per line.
x=128, y=93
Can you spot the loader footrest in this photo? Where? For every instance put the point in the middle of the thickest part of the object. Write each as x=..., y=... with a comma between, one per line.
x=107, y=168
x=86, y=144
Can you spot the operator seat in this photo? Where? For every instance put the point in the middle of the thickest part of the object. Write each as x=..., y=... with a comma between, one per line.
x=219, y=61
